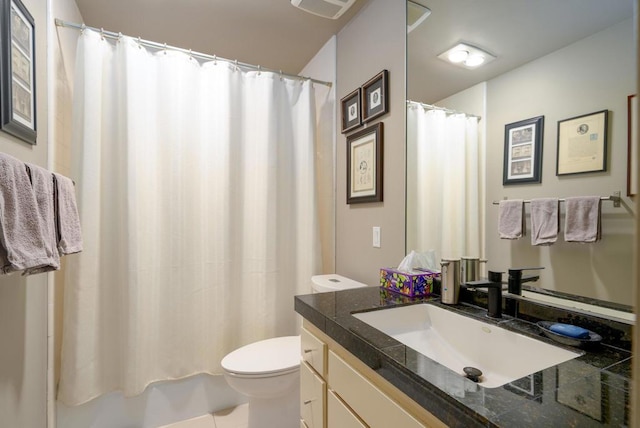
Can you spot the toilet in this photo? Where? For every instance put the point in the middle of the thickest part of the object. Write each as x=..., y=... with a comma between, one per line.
x=268, y=371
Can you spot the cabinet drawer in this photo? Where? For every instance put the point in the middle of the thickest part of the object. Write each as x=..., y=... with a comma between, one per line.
x=339, y=415
x=312, y=397
x=314, y=351
x=373, y=406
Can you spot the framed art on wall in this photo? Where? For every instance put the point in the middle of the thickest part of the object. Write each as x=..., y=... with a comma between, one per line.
x=351, y=111
x=632, y=145
x=582, y=144
x=523, y=151
x=375, y=100
x=364, y=165
x=17, y=76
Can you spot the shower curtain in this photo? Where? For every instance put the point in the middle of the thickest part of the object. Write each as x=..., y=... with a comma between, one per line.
x=196, y=190
x=444, y=182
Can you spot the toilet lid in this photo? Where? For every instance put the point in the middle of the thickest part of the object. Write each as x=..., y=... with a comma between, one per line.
x=266, y=356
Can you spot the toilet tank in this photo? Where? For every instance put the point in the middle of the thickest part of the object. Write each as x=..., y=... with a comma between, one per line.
x=333, y=282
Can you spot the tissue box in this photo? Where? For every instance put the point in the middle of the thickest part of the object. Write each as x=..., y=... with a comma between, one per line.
x=409, y=284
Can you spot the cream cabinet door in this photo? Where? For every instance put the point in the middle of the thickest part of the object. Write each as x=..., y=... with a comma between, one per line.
x=312, y=397
x=339, y=415
x=372, y=405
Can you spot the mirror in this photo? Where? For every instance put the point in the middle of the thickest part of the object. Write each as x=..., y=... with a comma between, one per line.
x=554, y=59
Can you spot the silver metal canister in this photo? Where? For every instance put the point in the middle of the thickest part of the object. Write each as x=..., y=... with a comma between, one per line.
x=470, y=269
x=450, y=277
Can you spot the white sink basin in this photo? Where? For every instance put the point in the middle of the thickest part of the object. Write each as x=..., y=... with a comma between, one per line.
x=457, y=341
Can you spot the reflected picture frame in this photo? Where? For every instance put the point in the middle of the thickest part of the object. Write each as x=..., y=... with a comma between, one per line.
x=582, y=144
x=632, y=145
x=17, y=71
x=523, y=151
x=351, y=111
x=375, y=99
x=365, y=165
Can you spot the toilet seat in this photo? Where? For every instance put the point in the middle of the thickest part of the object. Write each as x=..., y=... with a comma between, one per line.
x=266, y=358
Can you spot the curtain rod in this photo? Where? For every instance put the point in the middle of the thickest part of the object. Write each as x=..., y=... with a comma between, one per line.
x=446, y=110
x=164, y=46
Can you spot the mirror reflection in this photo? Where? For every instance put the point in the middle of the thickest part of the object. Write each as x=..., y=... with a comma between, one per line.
x=556, y=60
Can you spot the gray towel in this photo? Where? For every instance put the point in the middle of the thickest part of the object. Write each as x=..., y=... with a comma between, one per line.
x=545, y=221
x=69, y=232
x=511, y=219
x=21, y=237
x=42, y=184
x=582, y=219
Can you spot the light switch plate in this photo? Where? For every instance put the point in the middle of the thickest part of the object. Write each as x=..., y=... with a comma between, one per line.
x=376, y=236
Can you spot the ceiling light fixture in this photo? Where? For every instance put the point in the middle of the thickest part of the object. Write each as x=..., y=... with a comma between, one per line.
x=467, y=56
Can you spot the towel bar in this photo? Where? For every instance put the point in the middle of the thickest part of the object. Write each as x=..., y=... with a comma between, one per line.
x=615, y=197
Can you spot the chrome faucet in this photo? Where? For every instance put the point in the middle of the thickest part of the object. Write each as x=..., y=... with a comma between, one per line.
x=516, y=279
x=494, y=288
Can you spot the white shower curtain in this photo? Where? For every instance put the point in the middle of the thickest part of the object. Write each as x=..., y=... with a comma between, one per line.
x=196, y=189
x=444, y=185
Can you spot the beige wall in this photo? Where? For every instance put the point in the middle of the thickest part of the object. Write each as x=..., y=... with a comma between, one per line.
x=374, y=40
x=594, y=74
x=23, y=300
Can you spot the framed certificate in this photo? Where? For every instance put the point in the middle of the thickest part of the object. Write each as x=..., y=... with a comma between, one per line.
x=582, y=144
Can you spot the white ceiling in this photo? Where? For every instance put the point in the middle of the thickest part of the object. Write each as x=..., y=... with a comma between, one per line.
x=276, y=35
x=516, y=31
x=270, y=33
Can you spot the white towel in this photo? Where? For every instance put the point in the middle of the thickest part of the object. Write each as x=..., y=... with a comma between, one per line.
x=582, y=219
x=511, y=219
x=545, y=221
x=42, y=184
x=69, y=231
x=21, y=237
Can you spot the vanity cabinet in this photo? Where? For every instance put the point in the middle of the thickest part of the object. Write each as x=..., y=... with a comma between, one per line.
x=337, y=390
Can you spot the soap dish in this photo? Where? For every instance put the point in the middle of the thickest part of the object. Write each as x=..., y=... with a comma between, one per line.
x=593, y=338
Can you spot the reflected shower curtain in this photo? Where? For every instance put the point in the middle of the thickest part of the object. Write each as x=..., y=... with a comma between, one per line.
x=196, y=189
x=444, y=183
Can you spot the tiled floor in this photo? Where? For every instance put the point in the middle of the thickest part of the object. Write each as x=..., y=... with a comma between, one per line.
x=234, y=417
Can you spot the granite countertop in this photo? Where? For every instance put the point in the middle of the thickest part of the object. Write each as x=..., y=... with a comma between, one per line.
x=590, y=390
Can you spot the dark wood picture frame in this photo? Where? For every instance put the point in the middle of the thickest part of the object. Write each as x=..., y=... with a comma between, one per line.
x=17, y=71
x=632, y=145
x=365, y=165
x=375, y=96
x=523, y=151
x=351, y=111
x=590, y=131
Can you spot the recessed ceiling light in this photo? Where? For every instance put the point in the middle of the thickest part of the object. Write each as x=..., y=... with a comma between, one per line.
x=467, y=56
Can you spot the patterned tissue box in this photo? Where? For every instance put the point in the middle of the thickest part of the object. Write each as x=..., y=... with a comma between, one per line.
x=416, y=284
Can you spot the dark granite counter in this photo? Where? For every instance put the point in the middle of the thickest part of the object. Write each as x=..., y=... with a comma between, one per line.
x=591, y=390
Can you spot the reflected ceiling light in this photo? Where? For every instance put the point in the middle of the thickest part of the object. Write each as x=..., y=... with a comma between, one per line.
x=416, y=14
x=467, y=56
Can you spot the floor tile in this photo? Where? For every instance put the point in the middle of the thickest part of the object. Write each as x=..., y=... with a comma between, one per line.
x=234, y=417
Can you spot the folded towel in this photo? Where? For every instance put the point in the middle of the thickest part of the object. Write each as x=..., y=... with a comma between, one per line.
x=69, y=232
x=582, y=219
x=42, y=184
x=511, y=219
x=21, y=237
x=545, y=221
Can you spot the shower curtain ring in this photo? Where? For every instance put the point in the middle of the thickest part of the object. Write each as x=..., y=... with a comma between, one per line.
x=190, y=55
x=139, y=43
x=281, y=76
x=101, y=33
x=84, y=27
x=165, y=48
x=259, y=70
x=236, y=63
x=215, y=60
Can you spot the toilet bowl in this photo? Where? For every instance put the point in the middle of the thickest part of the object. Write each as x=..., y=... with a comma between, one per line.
x=268, y=371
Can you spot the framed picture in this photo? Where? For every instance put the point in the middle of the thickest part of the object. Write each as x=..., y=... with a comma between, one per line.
x=364, y=165
x=523, y=151
x=375, y=101
x=17, y=71
x=632, y=145
x=582, y=144
x=351, y=111
x=587, y=395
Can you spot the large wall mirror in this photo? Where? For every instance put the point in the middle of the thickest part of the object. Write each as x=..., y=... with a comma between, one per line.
x=549, y=59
